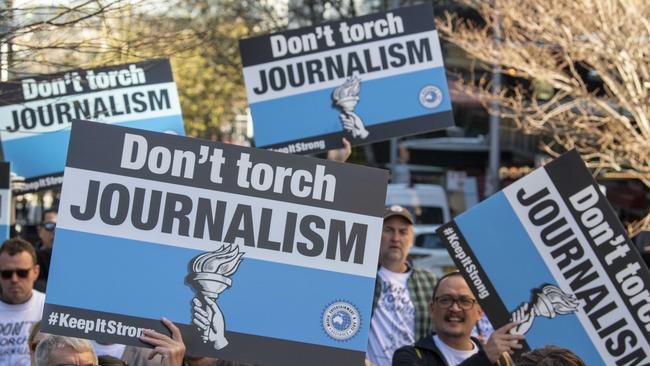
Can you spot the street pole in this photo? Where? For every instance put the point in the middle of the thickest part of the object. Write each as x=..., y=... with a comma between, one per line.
x=492, y=181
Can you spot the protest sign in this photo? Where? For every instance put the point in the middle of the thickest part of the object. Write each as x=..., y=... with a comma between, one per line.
x=36, y=112
x=549, y=252
x=257, y=256
x=5, y=200
x=366, y=79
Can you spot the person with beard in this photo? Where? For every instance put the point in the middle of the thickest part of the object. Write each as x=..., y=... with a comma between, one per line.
x=400, y=312
x=455, y=311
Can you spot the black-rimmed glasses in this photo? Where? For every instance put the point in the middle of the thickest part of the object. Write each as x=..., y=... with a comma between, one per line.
x=463, y=302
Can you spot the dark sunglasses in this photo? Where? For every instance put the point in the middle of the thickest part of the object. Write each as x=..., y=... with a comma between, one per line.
x=9, y=273
x=49, y=226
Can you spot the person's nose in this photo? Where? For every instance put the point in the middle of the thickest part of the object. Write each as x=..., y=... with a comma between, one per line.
x=14, y=277
x=455, y=306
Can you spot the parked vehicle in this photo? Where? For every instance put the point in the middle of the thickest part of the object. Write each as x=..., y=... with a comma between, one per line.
x=429, y=252
x=427, y=202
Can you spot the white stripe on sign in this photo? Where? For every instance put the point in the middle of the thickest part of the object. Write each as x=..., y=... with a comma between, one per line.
x=380, y=52
x=112, y=106
x=534, y=182
x=5, y=207
x=324, y=239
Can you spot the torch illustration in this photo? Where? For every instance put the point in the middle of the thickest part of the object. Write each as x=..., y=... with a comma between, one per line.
x=209, y=277
x=346, y=97
x=548, y=301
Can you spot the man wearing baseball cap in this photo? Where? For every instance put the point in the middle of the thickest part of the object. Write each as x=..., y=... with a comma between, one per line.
x=402, y=292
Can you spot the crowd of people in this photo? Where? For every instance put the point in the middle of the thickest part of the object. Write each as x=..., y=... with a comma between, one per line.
x=417, y=320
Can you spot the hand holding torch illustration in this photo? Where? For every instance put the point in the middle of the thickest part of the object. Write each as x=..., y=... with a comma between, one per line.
x=210, y=277
x=548, y=301
x=346, y=97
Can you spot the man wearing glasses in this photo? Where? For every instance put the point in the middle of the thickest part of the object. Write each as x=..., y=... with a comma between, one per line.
x=455, y=312
x=20, y=304
x=400, y=312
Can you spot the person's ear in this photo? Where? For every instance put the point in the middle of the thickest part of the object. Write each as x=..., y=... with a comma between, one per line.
x=431, y=307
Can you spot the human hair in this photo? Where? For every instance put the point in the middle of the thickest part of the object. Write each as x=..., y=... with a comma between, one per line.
x=14, y=246
x=550, y=356
x=48, y=211
x=444, y=277
x=56, y=342
x=33, y=331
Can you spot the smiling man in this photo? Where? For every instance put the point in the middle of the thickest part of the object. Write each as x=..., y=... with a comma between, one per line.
x=455, y=312
x=402, y=292
x=20, y=304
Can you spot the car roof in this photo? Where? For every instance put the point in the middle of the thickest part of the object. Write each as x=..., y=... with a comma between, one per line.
x=424, y=229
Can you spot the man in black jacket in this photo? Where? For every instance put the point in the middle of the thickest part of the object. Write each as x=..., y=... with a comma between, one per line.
x=455, y=312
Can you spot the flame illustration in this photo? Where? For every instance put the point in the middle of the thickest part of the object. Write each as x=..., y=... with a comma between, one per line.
x=349, y=89
x=557, y=301
x=211, y=270
x=223, y=261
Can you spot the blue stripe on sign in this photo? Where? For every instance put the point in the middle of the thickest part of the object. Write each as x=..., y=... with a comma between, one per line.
x=513, y=264
x=146, y=280
x=45, y=153
x=311, y=114
x=4, y=232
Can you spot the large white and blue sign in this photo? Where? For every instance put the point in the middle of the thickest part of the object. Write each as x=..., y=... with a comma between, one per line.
x=366, y=79
x=5, y=200
x=257, y=256
x=549, y=252
x=36, y=112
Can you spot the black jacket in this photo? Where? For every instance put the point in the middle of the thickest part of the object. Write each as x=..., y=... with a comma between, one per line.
x=426, y=353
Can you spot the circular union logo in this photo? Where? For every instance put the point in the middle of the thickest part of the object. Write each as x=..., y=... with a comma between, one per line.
x=430, y=96
x=341, y=320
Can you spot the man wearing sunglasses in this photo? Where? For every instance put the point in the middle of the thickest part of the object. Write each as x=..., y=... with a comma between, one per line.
x=455, y=311
x=45, y=229
x=20, y=304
